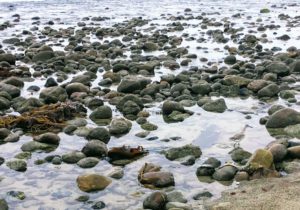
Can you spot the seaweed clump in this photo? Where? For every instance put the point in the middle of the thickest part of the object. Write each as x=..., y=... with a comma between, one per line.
x=46, y=118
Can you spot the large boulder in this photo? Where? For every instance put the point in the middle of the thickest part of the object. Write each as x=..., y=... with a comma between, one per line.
x=283, y=118
x=92, y=182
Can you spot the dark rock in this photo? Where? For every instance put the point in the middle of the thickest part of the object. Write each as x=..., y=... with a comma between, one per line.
x=156, y=201
x=95, y=148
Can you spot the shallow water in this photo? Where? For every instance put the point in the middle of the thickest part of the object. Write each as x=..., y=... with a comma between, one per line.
x=48, y=186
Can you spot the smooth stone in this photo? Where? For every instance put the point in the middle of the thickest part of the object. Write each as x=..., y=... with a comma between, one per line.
x=180, y=152
x=100, y=134
x=73, y=157
x=95, y=148
x=283, y=118
x=225, y=173
x=88, y=162
x=156, y=201
x=176, y=196
x=92, y=182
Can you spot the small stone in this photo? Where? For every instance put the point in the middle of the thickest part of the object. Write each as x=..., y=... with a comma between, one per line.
x=88, y=162
x=98, y=205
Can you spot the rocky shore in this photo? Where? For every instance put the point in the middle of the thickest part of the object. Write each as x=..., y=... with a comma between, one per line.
x=103, y=114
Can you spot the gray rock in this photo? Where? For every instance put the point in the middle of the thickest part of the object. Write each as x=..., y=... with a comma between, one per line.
x=205, y=170
x=3, y=203
x=95, y=148
x=257, y=85
x=76, y=87
x=176, y=196
x=37, y=146
x=73, y=157
x=4, y=132
x=239, y=155
x=119, y=126
x=150, y=46
x=279, y=151
x=4, y=103
x=268, y=91
x=278, y=68
x=48, y=138
x=101, y=115
x=88, y=162
x=99, y=133
x=15, y=81
x=178, y=205
x=283, y=118
x=294, y=152
x=9, y=58
x=13, y=91
x=117, y=173
x=230, y=59
x=131, y=84
x=225, y=173
x=180, y=152
x=43, y=56
x=17, y=165
x=170, y=106
x=275, y=108
x=218, y=106
x=202, y=195
x=156, y=201
x=53, y=95
x=214, y=162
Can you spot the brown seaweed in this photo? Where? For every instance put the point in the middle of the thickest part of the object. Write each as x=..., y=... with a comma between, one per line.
x=45, y=118
x=126, y=152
